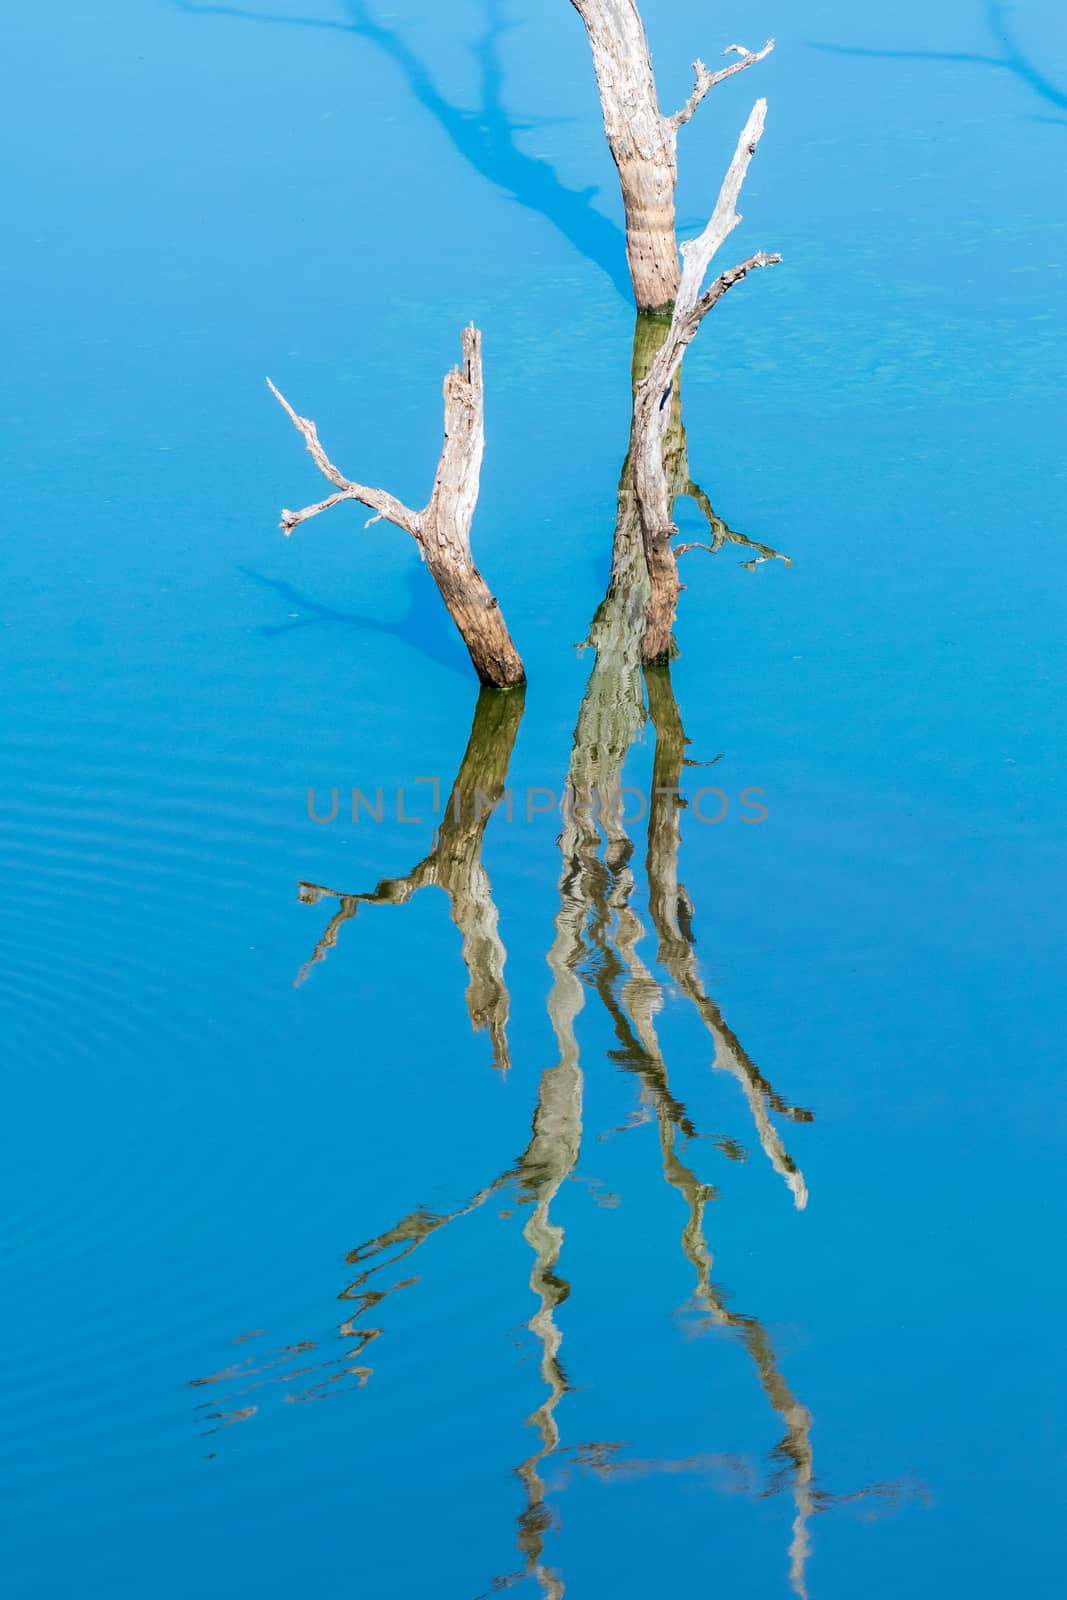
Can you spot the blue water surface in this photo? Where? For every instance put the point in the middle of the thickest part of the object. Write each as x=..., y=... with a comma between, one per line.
x=593, y=1373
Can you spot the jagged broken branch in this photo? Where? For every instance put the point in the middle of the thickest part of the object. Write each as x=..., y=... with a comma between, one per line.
x=442, y=528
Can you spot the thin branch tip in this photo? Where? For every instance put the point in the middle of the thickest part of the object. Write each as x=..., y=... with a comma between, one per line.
x=743, y=50
x=277, y=393
x=706, y=81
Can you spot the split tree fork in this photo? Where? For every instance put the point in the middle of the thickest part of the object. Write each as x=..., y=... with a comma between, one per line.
x=442, y=530
x=644, y=142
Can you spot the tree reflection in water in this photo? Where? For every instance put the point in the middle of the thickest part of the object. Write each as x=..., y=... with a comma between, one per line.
x=595, y=953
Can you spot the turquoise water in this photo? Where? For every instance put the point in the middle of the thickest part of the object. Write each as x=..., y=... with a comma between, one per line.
x=726, y=1266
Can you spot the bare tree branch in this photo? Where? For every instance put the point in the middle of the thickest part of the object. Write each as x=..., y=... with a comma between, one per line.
x=706, y=81
x=697, y=254
x=442, y=529
x=377, y=500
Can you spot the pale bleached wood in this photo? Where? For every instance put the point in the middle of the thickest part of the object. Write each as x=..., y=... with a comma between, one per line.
x=442, y=529
x=706, y=80
x=643, y=141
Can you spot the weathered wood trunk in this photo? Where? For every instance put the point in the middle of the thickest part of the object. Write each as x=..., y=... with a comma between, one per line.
x=442, y=530
x=476, y=612
x=648, y=198
x=644, y=142
x=445, y=525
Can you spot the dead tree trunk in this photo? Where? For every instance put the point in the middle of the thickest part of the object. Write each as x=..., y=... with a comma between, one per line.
x=643, y=141
x=652, y=402
x=442, y=529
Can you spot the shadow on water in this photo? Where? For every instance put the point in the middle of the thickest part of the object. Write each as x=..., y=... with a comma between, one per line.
x=424, y=625
x=485, y=135
x=1011, y=59
x=594, y=955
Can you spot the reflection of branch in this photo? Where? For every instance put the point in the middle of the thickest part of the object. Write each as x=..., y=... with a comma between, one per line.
x=454, y=864
x=632, y=1005
x=594, y=948
x=549, y=1159
x=722, y=533
x=610, y=717
x=596, y=918
x=651, y=411
x=795, y=1447
x=408, y=1234
x=639, y=999
x=676, y=952
x=632, y=997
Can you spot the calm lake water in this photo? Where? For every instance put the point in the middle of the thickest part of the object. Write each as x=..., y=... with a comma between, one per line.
x=722, y=1254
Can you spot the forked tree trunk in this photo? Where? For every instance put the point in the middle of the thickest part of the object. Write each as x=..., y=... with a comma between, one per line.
x=442, y=530
x=644, y=142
